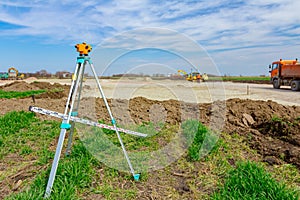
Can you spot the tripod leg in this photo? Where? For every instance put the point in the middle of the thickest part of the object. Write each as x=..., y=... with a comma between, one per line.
x=113, y=121
x=64, y=127
x=74, y=79
x=74, y=113
x=70, y=138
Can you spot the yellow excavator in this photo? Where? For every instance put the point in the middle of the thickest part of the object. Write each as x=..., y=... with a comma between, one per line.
x=193, y=76
x=13, y=74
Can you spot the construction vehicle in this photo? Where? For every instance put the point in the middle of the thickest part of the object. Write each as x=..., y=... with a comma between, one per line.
x=182, y=73
x=285, y=73
x=193, y=76
x=4, y=76
x=13, y=74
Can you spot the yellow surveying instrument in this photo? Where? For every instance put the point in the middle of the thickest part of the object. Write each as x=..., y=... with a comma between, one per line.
x=83, y=49
x=71, y=113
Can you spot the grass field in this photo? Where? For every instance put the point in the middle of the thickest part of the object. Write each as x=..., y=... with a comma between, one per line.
x=232, y=170
x=15, y=94
x=240, y=78
x=28, y=138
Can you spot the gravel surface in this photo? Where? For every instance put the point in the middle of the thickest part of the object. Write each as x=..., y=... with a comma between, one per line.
x=204, y=92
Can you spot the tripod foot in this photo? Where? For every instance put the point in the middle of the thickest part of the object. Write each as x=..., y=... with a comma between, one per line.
x=136, y=177
x=68, y=153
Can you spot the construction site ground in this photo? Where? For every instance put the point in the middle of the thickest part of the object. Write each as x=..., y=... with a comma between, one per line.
x=268, y=119
x=204, y=92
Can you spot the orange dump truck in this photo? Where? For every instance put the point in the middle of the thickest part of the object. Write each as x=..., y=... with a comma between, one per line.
x=285, y=72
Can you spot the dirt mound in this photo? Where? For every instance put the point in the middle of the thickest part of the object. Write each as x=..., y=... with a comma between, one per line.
x=19, y=86
x=46, y=85
x=140, y=109
x=51, y=95
x=270, y=128
x=53, y=91
x=240, y=112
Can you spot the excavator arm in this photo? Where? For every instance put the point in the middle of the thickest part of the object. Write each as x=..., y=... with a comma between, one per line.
x=13, y=69
x=181, y=72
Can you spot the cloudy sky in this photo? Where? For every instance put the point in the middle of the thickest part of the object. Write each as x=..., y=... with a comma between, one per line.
x=238, y=37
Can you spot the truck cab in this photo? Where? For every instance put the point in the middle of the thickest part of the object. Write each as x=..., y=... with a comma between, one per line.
x=274, y=69
x=285, y=72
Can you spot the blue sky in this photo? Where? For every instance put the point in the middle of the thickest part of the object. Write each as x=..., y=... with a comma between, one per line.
x=238, y=37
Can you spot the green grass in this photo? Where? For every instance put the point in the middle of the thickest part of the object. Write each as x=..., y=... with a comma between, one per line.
x=250, y=181
x=150, y=143
x=14, y=121
x=74, y=173
x=199, y=138
x=240, y=78
x=105, y=146
x=26, y=138
x=16, y=94
x=23, y=134
x=223, y=174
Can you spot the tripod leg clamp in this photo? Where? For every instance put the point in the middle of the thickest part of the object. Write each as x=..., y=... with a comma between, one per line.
x=74, y=114
x=80, y=60
x=65, y=126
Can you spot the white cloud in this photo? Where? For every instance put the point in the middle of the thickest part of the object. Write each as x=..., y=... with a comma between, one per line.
x=255, y=25
x=208, y=21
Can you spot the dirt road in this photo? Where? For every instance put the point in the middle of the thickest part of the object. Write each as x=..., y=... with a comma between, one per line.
x=184, y=91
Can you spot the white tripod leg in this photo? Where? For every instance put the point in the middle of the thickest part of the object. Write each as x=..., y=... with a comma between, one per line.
x=64, y=127
x=113, y=121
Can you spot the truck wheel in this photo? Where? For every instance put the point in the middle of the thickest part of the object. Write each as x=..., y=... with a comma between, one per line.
x=276, y=84
x=295, y=85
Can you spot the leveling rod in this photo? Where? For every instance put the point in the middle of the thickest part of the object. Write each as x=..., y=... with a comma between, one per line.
x=83, y=121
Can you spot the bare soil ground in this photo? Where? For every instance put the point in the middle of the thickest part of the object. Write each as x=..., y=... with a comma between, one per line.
x=268, y=127
x=271, y=128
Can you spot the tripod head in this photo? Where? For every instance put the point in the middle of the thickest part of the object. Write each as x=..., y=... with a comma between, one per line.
x=83, y=49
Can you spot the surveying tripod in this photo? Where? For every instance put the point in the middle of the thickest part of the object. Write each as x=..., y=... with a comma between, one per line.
x=71, y=113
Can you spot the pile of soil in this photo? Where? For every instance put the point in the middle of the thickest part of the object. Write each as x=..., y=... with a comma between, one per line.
x=270, y=128
x=18, y=86
x=53, y=91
